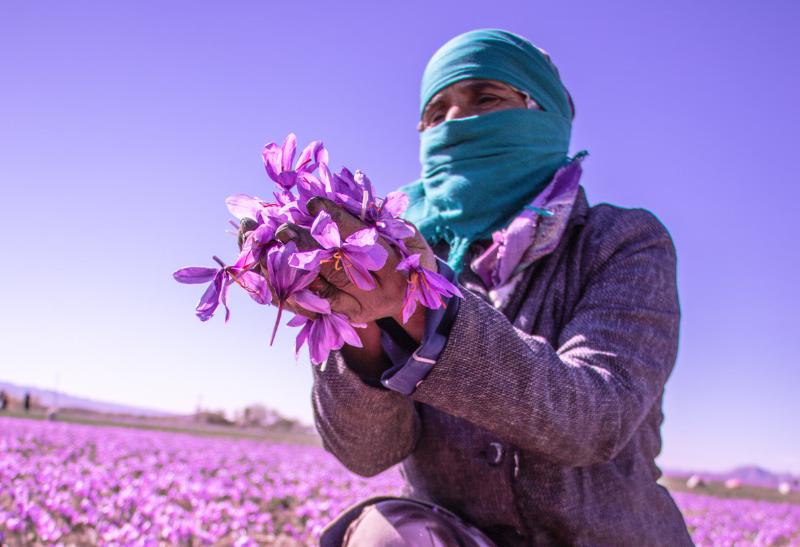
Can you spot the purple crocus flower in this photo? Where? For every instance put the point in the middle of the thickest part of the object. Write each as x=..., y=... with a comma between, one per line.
x=356, y=195
x=217, y=291
x=262, y=238
x=245, y=206
x=328, y=331
x=310, y=185
x=355, y=192
x=357, y=255
x=386, y=215
x=290, y=209
x=284, y=279
x=278, y=160
x=424, y=286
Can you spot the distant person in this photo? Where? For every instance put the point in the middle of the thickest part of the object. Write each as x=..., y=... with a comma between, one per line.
x=26, y=401
x=528, y=413
x=3, y=400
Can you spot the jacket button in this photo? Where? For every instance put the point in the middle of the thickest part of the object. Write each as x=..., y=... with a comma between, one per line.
x=494, y=454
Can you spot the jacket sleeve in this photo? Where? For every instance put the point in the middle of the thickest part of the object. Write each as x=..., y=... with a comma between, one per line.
x=579, y=403
x=367, y=428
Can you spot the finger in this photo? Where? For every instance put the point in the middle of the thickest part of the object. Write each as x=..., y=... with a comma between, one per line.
x=416, y=241
x=339, y=300
x=347, y=304
x=301, y=236
x=305, y=242
x=292, y=305
x=322, y=287
x=330, y=280
x=417, y=244
x=347, y=223
x=246, y=226
x=336, y=278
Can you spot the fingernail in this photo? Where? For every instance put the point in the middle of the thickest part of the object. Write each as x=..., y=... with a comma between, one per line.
x=248, y=224
x=317, y=204
x=285, y=233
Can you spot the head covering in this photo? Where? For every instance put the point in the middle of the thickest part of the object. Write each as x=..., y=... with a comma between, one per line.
x=492, y=54
x=479, y=172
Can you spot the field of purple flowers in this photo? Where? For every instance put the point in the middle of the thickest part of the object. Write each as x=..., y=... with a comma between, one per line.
x=76, y=484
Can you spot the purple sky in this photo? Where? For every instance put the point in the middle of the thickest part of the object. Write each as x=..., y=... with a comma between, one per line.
x=123, y=126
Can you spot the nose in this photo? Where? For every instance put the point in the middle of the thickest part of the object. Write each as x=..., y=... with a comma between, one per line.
x=458, y=111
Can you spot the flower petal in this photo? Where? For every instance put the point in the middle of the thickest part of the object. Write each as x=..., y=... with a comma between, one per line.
x=193, y=275
x=309, y=260
x=395, y=203
x=348, y=186
x=255, y=285
x=312, y=302
x=411, y=262
x=345, y=330
x=366, y=237
x=302, y=336
x=287, y=152
x=325, y=231
x=244, y=206
x=224, y=298
x=210, y=299
x=394, y=228
x=287, y=180
x=328, y=180
x=440, y=284
x=363, y=181
x=311, y=156
x=359, y=275
x=297, y=321
x=371, y=258
x=321, y=340
x=409, y=302
x=272, y=160
x=280, y=277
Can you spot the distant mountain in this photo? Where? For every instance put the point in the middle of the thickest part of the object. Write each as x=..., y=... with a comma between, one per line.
x=47, y=397
x=752, y=475
x=757, y=476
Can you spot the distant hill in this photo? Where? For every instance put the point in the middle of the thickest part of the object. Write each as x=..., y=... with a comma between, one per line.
x=48, y=397
x=752, y=475
x=755, y=475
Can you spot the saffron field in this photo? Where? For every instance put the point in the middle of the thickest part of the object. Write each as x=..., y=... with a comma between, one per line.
x=77, y=484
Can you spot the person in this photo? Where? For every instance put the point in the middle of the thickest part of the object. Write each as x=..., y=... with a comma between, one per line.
x=527, y=412
x=26, y=401
x=3, y=399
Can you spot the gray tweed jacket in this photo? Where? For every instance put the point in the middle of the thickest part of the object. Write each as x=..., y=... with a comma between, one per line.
x=540, y=422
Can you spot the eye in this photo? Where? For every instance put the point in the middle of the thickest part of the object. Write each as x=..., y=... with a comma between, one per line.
x=487, y=99
x=434, y=117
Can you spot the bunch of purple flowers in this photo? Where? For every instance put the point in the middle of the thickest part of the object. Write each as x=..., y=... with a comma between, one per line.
x=289, y=272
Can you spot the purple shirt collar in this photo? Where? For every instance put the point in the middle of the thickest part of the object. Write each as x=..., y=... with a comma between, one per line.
x=532, y=234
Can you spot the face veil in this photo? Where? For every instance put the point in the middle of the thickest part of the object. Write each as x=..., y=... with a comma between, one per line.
x=479, y=172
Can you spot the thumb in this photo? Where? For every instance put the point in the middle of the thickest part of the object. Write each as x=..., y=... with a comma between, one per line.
x=417, y=244
x=347, y=223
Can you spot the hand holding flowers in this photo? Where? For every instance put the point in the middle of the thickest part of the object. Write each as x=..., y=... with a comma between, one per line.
x=333, y=253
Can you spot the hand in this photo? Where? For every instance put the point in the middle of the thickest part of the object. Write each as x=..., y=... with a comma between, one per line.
x=247, y=225
x=386, y=299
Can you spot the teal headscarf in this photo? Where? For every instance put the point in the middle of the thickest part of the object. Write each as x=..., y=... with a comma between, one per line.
x=479, y=172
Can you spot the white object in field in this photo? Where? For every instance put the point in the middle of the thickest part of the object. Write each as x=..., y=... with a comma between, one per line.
x=695, y=481
x=784, y=488
x=733, y=484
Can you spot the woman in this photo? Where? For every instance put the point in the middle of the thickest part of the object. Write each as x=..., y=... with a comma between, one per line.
x=529, y=411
